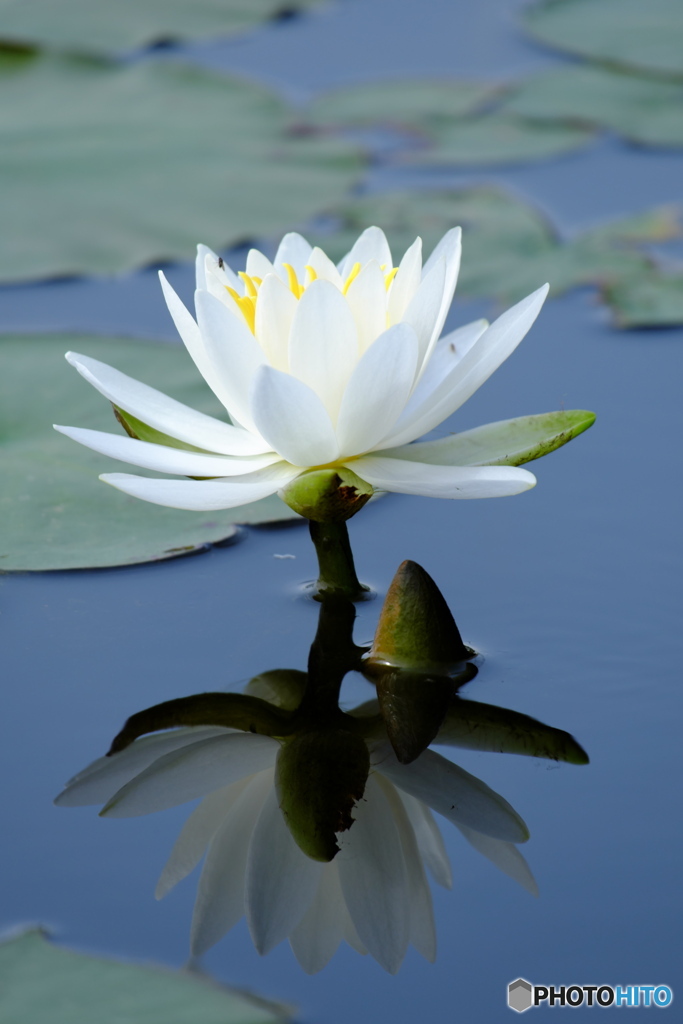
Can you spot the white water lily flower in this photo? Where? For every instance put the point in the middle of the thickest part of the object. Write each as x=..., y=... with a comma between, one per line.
x=317, y=366
x=374, y=893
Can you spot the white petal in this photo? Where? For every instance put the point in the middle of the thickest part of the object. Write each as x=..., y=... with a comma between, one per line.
x=207, y=259
x=372, y=245
x=233, y=350
x=220, y=899
x=192, y=771
x=378, y=390
x=217, y=282
x=295, y=250
x=101, y=779
x=367, y=300
x=258, y=265
x=504, y=855
x=450, y=250
x=429, y=840
x=164, y=459
x=293, y=419
x=204, y=495
x=325, y=268
x=422, y=928
x=407, y=281
x=275, y=309
x=454, y=793
x=316, y=938
x=164, y=413
x=195, y=836
x=281, y=879
x=493, y=347
x=406, y=477
x=323, y=345
x=193, y=340
x=373, y=879
x=423, y=312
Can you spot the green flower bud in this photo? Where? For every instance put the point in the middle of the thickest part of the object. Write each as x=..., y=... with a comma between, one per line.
x=327, y=495
x=319, y=777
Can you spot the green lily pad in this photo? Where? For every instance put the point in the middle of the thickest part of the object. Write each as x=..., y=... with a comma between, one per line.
x=82, y=25
x=42, y=983
x=651, y=300
x=648, y=36
x=402, y=103
x=505, y=443
x=499, y=138
x=509, y=248
x=104, y=167
x=54, y=512
x=644, y=110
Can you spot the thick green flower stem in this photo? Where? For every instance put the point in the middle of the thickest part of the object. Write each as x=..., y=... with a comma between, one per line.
x=337, y=573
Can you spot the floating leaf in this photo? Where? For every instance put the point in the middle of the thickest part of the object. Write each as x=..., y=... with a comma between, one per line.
x=82, y=25
x=644, y=110
x=651, y=300
x=509, y=247
x=41, y=983
x=54, y=512
x=647, y=35
x=505, y=443
x=104, y=168
x=499, y=138
x=402, y=103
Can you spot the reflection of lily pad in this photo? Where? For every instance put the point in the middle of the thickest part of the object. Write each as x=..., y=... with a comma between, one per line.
x=41, y=983
x=642, y=109
x=401, y=102
x=104, y=168
x=509, y=249
x=651, y=300
x=499, y=138
x=646, y=34
x=123, y=24
x=55, y=513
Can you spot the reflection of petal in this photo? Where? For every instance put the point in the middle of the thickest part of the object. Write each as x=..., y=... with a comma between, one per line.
x=454, y=793
x=373, y=879
x=315, y=939
x=220, y=893
x=505, y=856
x=429, y=840
x=281, y=879
x=191, y=772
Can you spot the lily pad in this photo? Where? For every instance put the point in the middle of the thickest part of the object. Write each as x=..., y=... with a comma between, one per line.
x=82, y=25
x=402, y=103
x=644, y=110
x=106, y=167
x=642, y=35
x=42, y=983
x=509, y=248
x=54, y=512
x=651, y=300
x=499, y=138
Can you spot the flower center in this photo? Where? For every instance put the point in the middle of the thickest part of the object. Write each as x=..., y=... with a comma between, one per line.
x=247, y=302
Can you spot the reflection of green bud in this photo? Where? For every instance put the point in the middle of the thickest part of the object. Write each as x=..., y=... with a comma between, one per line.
x=283, y=687
x=327, y=495
x=416, y=630
x=319, y=777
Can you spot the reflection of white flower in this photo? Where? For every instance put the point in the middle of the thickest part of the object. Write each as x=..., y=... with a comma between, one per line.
x=374, y=894
x=317, y=366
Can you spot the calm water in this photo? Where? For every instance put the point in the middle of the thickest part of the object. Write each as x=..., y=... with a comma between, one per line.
x=571, y=592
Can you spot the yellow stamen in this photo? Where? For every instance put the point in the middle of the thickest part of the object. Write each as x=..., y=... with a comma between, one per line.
x=258, y=281
x=248, y=284
x=311, y=275
x=294, y=286
x=247, y=305
x=390, y=277
x=355, y=271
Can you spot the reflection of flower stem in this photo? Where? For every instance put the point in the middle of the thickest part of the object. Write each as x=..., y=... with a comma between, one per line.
x=337, y=573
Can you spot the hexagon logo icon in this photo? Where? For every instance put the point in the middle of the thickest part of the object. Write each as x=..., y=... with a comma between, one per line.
x=519, y=995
